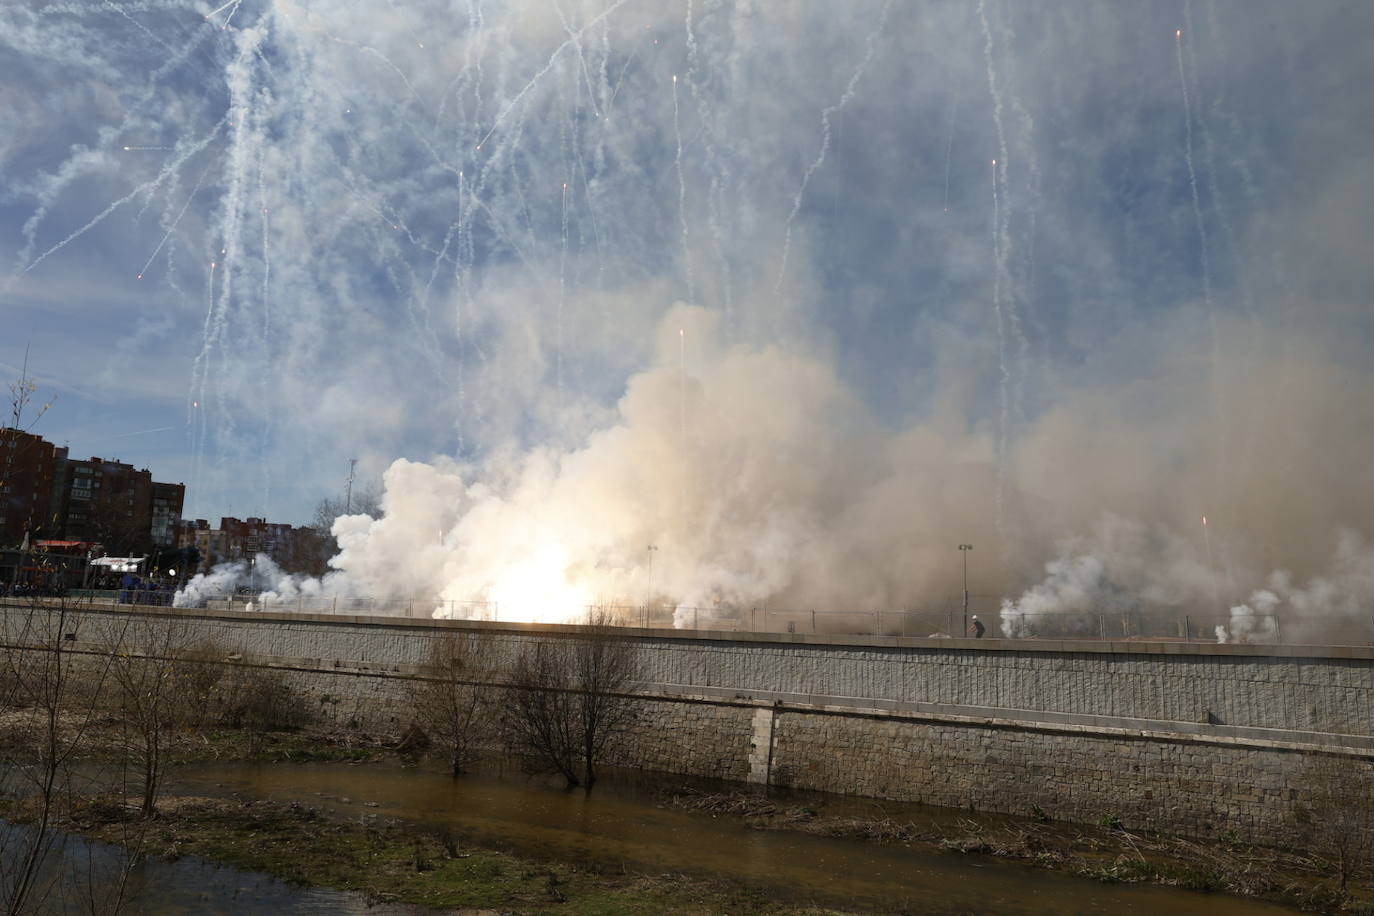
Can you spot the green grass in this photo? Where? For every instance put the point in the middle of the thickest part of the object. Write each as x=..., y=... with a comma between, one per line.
x=394, y=862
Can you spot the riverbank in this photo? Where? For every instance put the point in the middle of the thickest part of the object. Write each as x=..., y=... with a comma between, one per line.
x=390, y=858
x=1105, y=853
x=396, y=862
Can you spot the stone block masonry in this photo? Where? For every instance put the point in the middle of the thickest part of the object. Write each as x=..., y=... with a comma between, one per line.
x=1187, y=737
x=1145, y=782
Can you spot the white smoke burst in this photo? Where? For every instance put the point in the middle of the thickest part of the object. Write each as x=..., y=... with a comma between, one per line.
x=732, y=281
x=1117, y=569
x=220, y=581
x=755, y=474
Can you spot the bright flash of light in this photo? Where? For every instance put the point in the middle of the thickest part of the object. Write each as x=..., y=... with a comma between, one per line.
x=1178, y=33
x=1204, y=521
x=537, y=589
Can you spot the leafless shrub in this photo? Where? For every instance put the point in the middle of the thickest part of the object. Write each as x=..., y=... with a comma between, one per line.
x=543, y=722
x=1334, y=814
x=163, y=682
x=199, y=674
x=569, y=700
x=166, y=682
x=50, y=694
x=451, y=704
x=260, y=701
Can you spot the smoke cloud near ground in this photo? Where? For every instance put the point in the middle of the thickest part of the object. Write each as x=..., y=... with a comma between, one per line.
x=725, y=304
x=761, y=479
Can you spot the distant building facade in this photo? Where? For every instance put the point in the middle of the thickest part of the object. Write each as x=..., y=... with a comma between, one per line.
x=26, y=469
x=54, y=504
x=45, y=493
x=294, y=549
x=168, y=500
x=208, y=541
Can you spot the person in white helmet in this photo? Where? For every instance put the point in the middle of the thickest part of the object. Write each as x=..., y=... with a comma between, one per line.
x=977, y=628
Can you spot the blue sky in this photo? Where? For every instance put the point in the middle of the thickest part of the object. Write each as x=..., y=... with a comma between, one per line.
x=417, y=229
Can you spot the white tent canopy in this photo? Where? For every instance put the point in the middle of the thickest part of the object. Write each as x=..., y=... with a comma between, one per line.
x=120, y=564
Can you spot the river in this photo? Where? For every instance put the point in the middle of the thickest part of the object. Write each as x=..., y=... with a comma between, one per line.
x=624, y=823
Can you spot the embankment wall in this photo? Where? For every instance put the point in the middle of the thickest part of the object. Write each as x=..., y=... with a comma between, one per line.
x=1186, y=737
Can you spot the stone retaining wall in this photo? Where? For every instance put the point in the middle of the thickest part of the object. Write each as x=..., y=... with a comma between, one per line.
x=1187, y=737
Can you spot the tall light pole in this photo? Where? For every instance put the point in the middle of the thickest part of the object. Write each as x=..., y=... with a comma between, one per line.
x=649, y=589
x=964, y=549
x=348, y=494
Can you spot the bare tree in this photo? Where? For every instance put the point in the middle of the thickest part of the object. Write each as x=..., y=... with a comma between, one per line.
x=20, y=454
x=451, y=704
x=22, y=391
x=311, y=555
x=605, y=667
x=161, y=684
x=570, y=699
x=365, y=499
x=1336, y=819
x=543, y=715
x=51, y=693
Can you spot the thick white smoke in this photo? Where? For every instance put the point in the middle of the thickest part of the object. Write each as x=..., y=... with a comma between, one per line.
x=755, y=475
x=400, y=232
x=1122, y=567
x=1253, y=622
x=218, y=582
x=759, y=478
x=1328, y=606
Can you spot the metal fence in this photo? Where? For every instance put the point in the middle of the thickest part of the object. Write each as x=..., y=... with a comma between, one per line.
x=141, y=596
x=1160, y=626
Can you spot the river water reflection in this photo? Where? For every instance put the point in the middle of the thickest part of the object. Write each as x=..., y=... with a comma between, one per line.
x=81, y=876
x=621, y=824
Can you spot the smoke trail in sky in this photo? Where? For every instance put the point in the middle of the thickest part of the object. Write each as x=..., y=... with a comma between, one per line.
x=870, y=46
x=590, y=307
x=1203, y=253
x=1006, y=321
x=682, y=201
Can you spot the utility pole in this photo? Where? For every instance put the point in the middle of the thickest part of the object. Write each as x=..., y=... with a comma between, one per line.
x=964, y=549
x=348, y=493
x=649, y=589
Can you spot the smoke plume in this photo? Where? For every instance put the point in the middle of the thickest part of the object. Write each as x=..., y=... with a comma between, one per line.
x=728, y=304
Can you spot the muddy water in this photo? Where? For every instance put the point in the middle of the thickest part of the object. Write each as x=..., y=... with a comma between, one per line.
x=80, y=875
x=621, y=825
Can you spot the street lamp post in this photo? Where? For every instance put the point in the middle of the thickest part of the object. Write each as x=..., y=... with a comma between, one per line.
x=649, y=589
x=86, y=573
x=964, y=549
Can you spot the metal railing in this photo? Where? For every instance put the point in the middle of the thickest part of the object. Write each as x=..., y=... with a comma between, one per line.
x=160, y=597
x=1271, y=629
x=1120, y=626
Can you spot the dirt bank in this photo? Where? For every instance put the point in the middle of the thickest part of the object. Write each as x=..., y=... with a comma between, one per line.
x=1105, y=853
